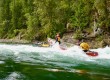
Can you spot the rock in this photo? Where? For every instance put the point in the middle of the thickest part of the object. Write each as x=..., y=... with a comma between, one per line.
x=91, y=39
x=13, y=41
x=105, y=43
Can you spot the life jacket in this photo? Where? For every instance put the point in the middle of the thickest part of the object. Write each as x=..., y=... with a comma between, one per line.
x=58, y=38
x=84, y=46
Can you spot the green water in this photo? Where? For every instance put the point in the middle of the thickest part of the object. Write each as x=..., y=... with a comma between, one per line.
x=11, y=70
x=43, y=64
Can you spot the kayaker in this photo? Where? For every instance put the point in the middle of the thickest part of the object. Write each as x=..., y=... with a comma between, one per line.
x=57, y=38
x=85, y=46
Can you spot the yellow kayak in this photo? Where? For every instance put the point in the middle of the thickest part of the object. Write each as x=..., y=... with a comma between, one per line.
x=45, y=45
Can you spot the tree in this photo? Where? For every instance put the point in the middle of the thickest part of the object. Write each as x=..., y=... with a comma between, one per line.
x=5, y=16
x=103, y=14
x=81, y=16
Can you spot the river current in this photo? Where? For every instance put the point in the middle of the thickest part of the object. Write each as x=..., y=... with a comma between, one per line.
x=30, y=62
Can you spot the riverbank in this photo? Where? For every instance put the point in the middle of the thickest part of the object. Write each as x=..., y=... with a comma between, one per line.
x=98, y=41
x=14, y=41
x=69, y=40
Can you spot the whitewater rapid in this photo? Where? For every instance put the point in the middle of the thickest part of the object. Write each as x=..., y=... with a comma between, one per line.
x=53, y=55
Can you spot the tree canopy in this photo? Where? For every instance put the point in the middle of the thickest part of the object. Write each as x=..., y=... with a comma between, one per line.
x=38, y=19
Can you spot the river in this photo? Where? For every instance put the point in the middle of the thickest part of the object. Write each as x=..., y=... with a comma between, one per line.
x=30, y=62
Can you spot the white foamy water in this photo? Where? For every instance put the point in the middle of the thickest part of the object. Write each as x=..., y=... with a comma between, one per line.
x=54, y=55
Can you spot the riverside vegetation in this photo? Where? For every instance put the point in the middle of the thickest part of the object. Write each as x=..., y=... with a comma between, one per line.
x=38, y=19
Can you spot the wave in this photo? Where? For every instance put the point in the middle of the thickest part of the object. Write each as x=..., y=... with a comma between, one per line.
x=53, y=55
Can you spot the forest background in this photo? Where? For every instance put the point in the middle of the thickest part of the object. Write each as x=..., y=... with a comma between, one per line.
x=38, y=19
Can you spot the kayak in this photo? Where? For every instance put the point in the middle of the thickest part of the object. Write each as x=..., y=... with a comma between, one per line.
x=52, y=42
x=92, y=53
x=45, y=45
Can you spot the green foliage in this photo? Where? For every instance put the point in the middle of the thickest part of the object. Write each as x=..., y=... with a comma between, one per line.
x=32, y=26
x=4, y=17
x=81, y=17
x=78, y=35
x=103, y=19
x=99, y=38
x=38, y=19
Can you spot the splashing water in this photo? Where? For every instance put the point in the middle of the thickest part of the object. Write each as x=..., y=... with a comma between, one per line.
x=53, y=59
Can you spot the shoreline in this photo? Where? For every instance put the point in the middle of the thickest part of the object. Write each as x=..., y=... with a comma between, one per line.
x=95, y=42
x=66, y=40
x=16, y=41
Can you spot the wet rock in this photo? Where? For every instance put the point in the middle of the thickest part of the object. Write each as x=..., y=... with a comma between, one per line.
x=91, y=39
x=105, y=43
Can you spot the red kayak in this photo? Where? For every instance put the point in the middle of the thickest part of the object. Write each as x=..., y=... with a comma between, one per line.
x=92, y=53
